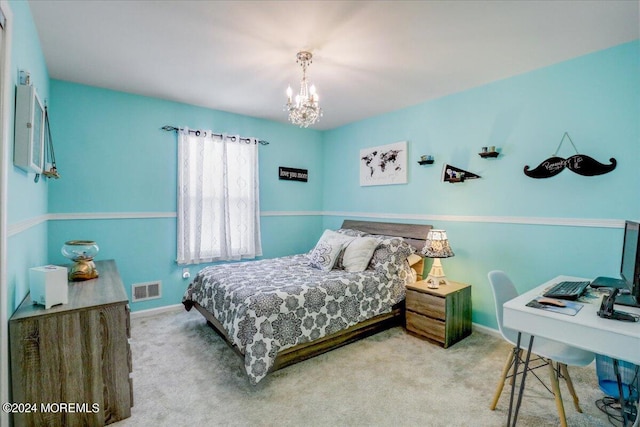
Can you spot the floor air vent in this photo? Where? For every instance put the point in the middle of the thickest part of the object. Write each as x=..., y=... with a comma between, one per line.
x=145, y=291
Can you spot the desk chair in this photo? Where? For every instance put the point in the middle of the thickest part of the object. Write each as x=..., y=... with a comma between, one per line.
x=549, y=352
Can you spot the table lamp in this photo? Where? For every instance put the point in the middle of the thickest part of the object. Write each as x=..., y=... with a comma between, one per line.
x=436, y=247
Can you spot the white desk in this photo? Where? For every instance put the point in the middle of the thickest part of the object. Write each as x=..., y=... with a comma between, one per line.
x=613, y=338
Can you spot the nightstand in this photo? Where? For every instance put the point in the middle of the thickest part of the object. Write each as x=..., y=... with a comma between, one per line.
x=442, y=315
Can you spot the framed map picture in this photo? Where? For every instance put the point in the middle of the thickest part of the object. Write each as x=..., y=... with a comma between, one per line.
x=384, y=165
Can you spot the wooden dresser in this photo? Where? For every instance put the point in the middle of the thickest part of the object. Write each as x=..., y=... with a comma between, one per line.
x=73, y=361
x=442, y=315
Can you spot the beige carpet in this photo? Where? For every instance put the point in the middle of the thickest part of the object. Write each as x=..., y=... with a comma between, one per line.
x=184, y=374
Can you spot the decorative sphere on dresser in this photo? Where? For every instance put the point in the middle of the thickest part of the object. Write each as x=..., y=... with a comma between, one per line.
x=82, y=253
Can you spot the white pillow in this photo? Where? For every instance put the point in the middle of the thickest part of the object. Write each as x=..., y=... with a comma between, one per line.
x=326, y=251
x=358, y=253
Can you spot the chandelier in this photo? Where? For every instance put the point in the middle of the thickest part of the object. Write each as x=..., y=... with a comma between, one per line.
x=304, y=111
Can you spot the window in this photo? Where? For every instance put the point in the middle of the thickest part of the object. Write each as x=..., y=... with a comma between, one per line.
x=218, y=198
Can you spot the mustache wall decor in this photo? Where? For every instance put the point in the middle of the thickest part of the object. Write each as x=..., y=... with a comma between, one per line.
x=578, y=163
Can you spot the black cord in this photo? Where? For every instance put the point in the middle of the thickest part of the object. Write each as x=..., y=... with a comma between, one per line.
x=610, y=407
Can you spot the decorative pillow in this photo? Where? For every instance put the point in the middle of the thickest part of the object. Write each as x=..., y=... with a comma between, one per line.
x=326, y=251
x=358, y=253
x=414, y=259
x=347, y=232
x=390, y=255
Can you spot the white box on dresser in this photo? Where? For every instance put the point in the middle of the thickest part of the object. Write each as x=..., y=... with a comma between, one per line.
x=48, y=285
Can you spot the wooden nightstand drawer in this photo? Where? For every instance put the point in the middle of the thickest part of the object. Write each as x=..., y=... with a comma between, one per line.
x=426, y=326
x=426, y=304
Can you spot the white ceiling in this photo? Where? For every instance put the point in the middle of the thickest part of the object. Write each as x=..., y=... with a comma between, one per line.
x=370, y=57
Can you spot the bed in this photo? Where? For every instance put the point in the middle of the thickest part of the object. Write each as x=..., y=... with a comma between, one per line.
x=280, y=311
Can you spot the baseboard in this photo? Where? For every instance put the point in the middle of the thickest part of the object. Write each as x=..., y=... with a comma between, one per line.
x=486, y=330
x=155, y=311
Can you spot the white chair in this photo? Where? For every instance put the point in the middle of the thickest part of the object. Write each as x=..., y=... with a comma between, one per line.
x=553, y=354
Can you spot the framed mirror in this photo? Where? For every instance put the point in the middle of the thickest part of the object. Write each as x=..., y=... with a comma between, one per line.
x=29, y=130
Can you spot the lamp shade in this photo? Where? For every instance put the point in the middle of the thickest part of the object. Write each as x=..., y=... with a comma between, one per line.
x=437, y=245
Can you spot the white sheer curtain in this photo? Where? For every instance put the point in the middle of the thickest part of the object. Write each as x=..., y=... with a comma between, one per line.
x=218, y=198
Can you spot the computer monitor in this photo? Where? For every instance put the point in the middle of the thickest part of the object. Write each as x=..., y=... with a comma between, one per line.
x=630, y=264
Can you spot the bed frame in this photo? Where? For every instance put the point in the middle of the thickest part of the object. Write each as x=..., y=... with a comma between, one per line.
x=414, y=234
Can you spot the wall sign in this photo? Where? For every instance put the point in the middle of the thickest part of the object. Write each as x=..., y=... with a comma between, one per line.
x=292, y=174
x=578, y=163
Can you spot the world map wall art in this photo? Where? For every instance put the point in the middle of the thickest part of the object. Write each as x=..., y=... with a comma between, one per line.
x=384, y=165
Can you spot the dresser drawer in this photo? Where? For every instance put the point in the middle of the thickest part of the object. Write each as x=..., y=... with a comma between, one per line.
x=429, y=305
x=426, y=326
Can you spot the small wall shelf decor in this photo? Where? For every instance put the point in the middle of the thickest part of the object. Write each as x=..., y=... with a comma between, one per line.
x=578, y=163
x=488, y=152
x=426, y=160
x=452, y=174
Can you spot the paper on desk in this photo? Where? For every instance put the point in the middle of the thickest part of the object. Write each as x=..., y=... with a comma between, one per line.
x=571, y=308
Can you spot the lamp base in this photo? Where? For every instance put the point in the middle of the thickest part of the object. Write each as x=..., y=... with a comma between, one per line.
x=434, y=282
x=436, y=275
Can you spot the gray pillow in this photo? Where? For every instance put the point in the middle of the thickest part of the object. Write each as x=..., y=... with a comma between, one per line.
x=358, y=253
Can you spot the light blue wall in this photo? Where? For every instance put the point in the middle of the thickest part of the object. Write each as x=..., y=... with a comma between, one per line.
x=114, y=159
x=26, y=201
x=595, y=98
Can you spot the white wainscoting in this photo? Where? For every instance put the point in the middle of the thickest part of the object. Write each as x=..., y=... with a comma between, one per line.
x=21, y=226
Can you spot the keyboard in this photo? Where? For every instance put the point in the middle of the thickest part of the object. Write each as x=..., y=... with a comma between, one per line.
x=567, y=290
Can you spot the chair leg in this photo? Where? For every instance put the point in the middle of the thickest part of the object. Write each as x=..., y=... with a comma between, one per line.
x=567, y=378
x=503, y=377
x=553, y=375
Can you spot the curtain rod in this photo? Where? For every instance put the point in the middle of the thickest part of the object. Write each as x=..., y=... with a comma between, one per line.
x=197, y=132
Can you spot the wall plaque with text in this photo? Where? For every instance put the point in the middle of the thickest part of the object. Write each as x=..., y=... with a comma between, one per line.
x=292, y=174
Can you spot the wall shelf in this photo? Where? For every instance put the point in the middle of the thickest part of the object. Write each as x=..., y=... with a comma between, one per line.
x=425, y=162
x=489, y=154
x=454, y=180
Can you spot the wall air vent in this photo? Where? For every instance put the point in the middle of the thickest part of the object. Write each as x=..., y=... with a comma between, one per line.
x=145, y=291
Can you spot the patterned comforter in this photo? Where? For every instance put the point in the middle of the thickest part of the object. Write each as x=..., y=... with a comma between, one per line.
x=269, y=305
